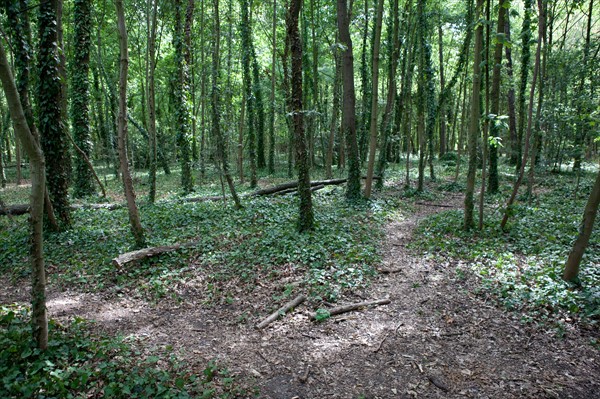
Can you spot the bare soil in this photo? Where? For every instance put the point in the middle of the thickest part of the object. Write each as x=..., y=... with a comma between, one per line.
x=436, y=339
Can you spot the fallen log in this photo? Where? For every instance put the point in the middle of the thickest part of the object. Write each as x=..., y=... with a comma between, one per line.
x=281, y=311
x=22, y=209
x=352, y=307
x=127, y=257
x=434, y=205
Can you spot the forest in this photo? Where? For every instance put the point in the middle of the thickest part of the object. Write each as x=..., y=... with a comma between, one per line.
x=299, y=199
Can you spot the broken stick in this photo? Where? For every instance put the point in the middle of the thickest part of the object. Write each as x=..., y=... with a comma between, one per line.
x=127, y=257
x=354, y=306
x=282, y=310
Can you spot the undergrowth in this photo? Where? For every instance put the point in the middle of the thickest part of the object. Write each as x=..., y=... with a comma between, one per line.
x=257, y=242
x=522, y=268
x=78, y=364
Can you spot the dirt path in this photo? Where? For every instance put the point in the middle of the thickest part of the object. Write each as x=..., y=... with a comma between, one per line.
x=435, y=340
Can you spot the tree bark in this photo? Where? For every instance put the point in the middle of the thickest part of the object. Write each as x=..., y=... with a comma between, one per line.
x=348, y=101
x=374, y=100
x=152, y=23
x=306, y=217
x=134, y=217
x=587, y=226
x=474, y=122
x=38, y=182
x=536, y=71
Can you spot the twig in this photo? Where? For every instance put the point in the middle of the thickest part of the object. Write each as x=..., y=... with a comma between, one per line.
x=284, y=309
x=354, y=306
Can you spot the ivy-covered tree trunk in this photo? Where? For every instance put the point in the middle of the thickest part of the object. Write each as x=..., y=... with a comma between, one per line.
x=306, y=217
x=247, y=56
x=272, y=99
x=134, y=216
x=152, y=22
x=50, y=115
x=365, y=107
x=374, y=99
x=335, y=110
x=495, y=95
x=39, y=315
x=474, y=121
x=80, y=96
x=429, y=91
x=348, y=102
x=182, y=107
x=525, y=57
x=510, y=100
x=216, y=106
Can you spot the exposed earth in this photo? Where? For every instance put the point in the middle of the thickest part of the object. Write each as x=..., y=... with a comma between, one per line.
x=436, y=339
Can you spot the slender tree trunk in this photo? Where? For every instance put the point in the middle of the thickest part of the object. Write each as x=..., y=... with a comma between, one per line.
x=495, y=95
x=348, y=101
x=216, y=106
x=474, y=121
x=134, y=217
x=306, y=218
x=272, y=99
x=512, y=112
x=442, y=110
x=335, y=109
x=374, y=100
x=365, y=108
x=536, y=71
x=247, y=56
x=394, y=53
x=587, y=226
x=30, y=145
x=525, y=56
x=152, y=23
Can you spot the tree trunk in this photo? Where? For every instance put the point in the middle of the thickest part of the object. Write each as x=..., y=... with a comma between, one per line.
x=272, y=99
x=306, y=218
x=585, y=231
x=134, y=217
x=374, y=100
x=216, y=106
x=50, y=102
x=247, y=56
x=152, y=22
x=474, y=121
x=512, y=113
x=335, y=109
x=525, y=56
x=38, y=181
x=348, y=101
x=536, y=71
x=442, y=110
x=80, y=96
x=495, y=95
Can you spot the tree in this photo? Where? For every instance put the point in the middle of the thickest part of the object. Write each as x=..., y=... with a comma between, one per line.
x=525, y=56
x=36, y=220
x=475, y=117
x=182, y=90
x=151, y=68
x=374, y=99
x=216, y=106
x=80, y=96
x=348, y=102
x=495, y=95
x=53, y=137
x=247, y=56
x=134, y=216
x=587, y=225
x=306, y=218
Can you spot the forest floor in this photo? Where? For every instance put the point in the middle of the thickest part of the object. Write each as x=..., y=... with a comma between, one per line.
x=436, y=339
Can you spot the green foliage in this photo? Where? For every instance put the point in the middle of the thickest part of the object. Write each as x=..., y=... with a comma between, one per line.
x=78, y=364
x=259, y=241
x=523, y=268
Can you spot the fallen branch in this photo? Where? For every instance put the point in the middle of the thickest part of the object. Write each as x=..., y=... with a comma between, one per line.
x=352, y=307
x=127, y=257
x=22, y=209
x=437, y=205
x=281, y=311
x=390, y=271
